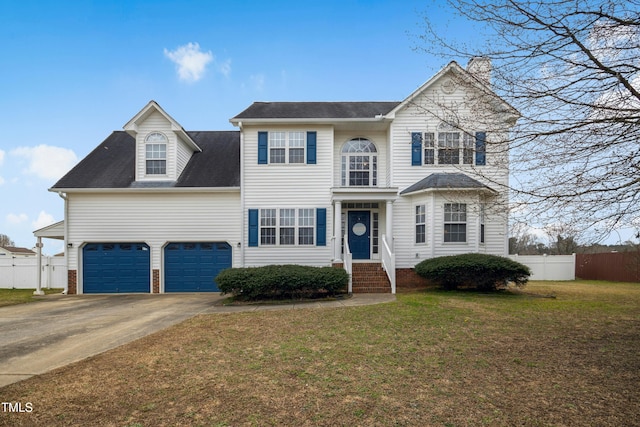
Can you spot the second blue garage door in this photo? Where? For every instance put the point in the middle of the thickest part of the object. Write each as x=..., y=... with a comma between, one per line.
x=191, y=267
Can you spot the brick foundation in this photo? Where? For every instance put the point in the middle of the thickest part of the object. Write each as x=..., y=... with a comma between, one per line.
x=407, y=280
x=72, y=282
x=156, y=281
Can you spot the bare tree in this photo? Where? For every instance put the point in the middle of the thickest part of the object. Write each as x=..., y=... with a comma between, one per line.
x=6, y=241
x=572, y=69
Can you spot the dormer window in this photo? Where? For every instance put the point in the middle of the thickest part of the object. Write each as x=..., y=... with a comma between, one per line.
x=156, y=154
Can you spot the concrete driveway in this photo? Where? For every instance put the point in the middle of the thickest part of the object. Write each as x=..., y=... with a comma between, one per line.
x=61, y=329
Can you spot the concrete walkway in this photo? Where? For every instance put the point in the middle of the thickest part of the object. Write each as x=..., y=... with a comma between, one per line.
x=62, y=329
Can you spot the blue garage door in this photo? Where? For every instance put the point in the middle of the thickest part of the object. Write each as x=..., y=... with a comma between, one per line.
x=191, y=267
x=115, y=267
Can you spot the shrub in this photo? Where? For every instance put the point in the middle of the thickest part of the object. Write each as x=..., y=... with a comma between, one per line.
x=282, y=281
x=480, y=271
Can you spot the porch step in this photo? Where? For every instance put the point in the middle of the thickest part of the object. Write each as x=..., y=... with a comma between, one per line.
x=369, y=278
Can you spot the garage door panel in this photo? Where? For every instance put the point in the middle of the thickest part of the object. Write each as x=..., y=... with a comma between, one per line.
x=191, y=267
x=116, y=267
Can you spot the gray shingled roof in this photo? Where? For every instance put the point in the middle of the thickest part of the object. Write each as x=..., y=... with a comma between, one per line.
x=18, y=250
x=112, y=164
x=445, y=181
x=315, y=110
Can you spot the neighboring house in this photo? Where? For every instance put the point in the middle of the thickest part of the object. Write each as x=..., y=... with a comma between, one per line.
x=13, y=252
x=157, y=208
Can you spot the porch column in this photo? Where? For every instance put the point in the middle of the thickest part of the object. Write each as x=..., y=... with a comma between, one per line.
x=337, y=234
x=389, y=225
x=38, y=290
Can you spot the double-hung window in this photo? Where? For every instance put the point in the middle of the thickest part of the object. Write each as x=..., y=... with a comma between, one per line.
x=286, y=147
x=455, y=222
x=287, y=226
x=449, y=146
x=306, y=224
x=421, y=235
x=156, y=154
x=268, y=226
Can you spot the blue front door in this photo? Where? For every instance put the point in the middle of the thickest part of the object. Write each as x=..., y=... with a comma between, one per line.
x=359, y=225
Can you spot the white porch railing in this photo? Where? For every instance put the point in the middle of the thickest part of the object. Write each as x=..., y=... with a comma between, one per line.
x=389, y=263
x=348, y=263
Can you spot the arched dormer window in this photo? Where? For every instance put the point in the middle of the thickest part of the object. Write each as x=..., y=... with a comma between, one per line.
x=359, y=163
x=156, y=154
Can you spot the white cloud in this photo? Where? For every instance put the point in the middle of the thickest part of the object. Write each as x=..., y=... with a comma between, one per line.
x=15, y=219
x=43, y=220
x=190, y=61
x=46, y=161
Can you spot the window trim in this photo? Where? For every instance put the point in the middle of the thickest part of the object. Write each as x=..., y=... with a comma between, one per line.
x=302, y=218
x=436, y=147
x=420, y=221
x=288, y=137
x=457, y=217
x=346, y=156
x=163, y=144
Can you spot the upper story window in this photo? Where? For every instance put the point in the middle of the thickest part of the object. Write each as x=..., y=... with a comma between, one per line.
x=287, y=147
x=359, y=163
x=450, y=146
x=156, y=154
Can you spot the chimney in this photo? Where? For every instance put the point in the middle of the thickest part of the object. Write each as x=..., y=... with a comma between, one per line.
x=480, y=68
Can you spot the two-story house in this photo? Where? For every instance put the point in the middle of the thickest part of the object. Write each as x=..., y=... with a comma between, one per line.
x=374, y=187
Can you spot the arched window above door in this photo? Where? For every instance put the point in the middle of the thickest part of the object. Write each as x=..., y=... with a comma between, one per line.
x=359, y=163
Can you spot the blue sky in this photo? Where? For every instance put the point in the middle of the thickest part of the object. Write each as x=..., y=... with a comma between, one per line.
x=75, y=71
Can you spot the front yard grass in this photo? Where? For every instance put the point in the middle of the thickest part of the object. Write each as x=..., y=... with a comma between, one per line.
x=21, y=296
x=429, y=359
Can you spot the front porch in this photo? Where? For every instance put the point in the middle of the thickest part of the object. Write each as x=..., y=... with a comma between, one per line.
x=363, y=237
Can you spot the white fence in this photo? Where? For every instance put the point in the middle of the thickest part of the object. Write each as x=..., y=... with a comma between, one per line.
x=22, y=273
x=549, y=267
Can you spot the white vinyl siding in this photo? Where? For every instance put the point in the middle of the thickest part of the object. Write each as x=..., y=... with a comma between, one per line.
x=413, y=119
x=296, y=186
x=154, y=219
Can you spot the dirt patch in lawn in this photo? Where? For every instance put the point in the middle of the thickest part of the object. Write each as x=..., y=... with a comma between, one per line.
x=431, y=358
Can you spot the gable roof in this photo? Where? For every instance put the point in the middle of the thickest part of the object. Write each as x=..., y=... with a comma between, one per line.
x=111, y=165
x=446, y=181
x=131, y=127
x=17, y=250
x=316, y=110
x=453, y=66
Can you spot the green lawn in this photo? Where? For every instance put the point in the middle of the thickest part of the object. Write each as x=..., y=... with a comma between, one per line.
x=559, y=354
x=20, y=296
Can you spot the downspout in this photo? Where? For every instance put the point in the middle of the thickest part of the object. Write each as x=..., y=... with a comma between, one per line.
x=64, y=197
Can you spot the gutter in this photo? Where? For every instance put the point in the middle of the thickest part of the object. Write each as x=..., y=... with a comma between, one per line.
x=147, y=190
